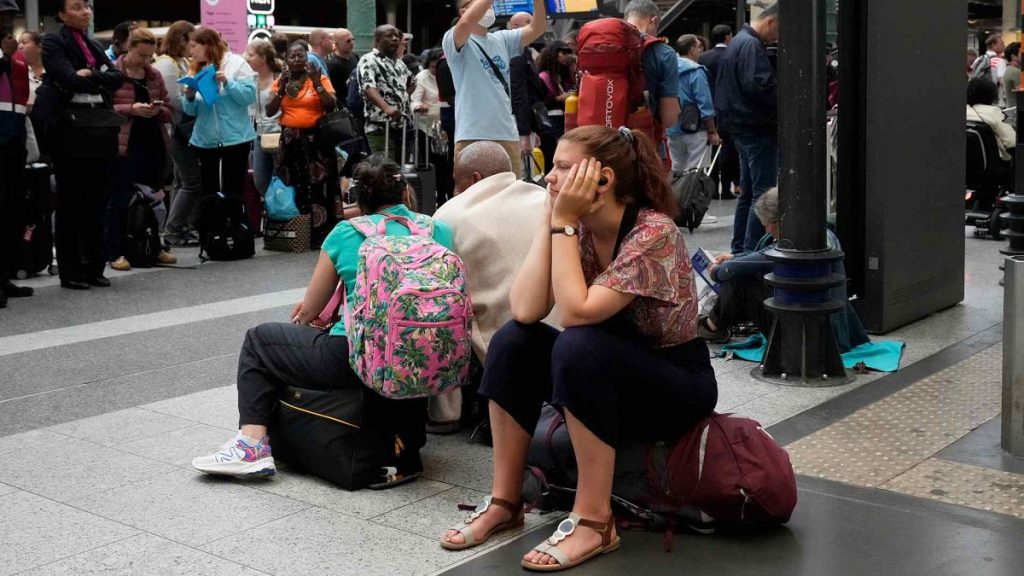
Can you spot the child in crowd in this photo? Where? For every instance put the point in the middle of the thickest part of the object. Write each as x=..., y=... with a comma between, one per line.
x=628, y=366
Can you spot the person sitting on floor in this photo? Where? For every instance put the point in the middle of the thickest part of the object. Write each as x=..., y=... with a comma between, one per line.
x=743, y=290
x=277, y=355
x=628, y=366
x=493, y=216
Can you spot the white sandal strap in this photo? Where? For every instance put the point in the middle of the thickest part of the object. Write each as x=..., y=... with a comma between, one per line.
x=554, y=552
x=467, y=532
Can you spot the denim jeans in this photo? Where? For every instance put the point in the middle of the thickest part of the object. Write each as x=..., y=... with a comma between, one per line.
x=759, y=171
x=262, y=168
x=188, y=187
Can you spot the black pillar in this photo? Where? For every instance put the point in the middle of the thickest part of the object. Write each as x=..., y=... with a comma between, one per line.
x=741, y=15
x=802, y=348
x=1014, y=219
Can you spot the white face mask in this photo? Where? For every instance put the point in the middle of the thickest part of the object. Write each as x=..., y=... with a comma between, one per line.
x=488, y=19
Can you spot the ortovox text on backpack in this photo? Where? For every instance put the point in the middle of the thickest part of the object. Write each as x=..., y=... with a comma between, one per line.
x=409, y=324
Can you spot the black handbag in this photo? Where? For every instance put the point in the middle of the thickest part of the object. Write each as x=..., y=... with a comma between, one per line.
x=689, y=119
x=335, y=127
x=540, y=117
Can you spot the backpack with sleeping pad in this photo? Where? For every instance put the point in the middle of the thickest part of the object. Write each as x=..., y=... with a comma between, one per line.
x=725, y=472
x=141, y=233
x=224, y=233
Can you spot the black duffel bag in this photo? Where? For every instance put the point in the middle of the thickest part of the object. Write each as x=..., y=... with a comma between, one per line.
x=326, y=433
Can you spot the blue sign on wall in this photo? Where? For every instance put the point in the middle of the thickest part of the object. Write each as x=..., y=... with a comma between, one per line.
x=510, y=7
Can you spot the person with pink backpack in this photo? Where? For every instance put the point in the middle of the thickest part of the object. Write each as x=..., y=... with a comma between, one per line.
x=405, y=334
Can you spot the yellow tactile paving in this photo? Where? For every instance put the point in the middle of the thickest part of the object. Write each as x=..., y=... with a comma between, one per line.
x=956, y=483
x=891, y=436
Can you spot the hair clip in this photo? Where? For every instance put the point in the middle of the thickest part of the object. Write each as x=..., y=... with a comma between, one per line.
x=628, y=134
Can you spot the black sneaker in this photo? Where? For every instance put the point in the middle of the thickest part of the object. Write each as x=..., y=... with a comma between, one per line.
x=11, y=291
x=720, y=336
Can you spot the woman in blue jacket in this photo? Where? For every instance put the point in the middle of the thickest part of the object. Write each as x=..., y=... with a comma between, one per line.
x=696, y=130
x=223, y=133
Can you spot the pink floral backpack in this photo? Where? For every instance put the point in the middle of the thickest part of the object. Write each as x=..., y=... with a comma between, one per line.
x=410, y=321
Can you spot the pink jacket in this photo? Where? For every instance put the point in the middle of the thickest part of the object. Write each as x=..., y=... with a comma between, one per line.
x=124, y=97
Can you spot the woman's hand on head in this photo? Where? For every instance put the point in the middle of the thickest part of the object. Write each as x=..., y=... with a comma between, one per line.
x=579, y=197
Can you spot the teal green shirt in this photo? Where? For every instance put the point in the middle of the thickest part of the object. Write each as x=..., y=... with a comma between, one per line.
x=342, y=246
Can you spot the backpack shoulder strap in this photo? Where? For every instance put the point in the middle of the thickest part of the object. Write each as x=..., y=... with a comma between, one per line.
x=364, y=225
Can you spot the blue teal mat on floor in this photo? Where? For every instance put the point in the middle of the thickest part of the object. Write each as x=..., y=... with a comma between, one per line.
x=880, y=356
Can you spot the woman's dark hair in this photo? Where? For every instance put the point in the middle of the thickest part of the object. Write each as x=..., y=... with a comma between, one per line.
x=304, y=46
x=378, y=182
x=35, y=37
x=640, y=175
x=433, y=55
x=547, y=61
x=981, y=90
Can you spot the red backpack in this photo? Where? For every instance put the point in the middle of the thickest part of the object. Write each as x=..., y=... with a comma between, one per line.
x=728, y=468
x=612, y=83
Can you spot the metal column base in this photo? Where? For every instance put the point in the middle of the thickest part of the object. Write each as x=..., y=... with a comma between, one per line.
x=820, y=364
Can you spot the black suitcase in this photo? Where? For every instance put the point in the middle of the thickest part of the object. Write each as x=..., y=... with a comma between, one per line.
x=419, y=173
x=343, y=436
x=35, y=250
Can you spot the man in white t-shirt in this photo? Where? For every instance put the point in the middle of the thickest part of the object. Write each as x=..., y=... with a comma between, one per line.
x=479, y=63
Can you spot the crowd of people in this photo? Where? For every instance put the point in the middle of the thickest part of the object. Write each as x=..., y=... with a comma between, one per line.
x=583, y=292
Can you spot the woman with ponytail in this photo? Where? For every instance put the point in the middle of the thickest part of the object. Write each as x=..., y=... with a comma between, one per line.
x=276, y=355
x=629, y=365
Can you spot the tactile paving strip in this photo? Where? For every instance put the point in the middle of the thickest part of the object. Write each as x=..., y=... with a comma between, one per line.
x=891, y=436
x=963, y=484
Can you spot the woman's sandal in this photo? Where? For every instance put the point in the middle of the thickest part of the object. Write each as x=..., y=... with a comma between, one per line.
x=467, y=530
x=565, y=528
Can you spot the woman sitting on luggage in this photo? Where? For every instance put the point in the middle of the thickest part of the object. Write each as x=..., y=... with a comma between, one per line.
x=277, y=355
x=142, y=143
x=302, y=95
x=629, y=365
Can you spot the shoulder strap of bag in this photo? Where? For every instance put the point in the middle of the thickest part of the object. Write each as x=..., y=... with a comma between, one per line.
x=494, y=68
x=628, y=223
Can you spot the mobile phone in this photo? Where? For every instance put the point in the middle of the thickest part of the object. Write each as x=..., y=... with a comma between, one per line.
x=158, y=102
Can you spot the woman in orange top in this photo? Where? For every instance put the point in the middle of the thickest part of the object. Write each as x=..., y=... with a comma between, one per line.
x=303, y=96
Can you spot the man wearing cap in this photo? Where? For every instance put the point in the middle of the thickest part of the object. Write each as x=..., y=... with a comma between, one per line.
x=13, y=100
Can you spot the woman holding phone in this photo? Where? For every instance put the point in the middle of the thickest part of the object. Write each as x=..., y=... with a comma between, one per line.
x=142, y=143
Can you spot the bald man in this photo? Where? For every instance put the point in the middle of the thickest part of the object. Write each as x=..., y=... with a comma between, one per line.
x=520, y=20
x=342, y=61
x=494, y=217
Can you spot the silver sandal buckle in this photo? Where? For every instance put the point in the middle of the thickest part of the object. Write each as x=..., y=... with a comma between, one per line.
x=479, y=510
x=564, y=530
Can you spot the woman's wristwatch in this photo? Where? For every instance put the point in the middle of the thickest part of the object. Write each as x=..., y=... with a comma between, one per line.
x=567, y=230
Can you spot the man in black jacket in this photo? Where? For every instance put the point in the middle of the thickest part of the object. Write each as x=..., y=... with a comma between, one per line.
x=746, y=101
x=525, y=83
x=726, y=170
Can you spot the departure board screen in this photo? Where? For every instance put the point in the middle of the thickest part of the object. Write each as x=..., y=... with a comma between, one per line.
x=555, y=7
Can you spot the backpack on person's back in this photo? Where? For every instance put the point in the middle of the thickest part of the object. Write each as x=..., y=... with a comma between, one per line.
x=613, y=87
x=982, y=66
x=409, y=324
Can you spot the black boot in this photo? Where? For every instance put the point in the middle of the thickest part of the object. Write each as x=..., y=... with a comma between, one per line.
x=11, y=291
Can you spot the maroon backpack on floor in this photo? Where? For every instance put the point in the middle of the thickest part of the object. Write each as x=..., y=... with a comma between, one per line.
x=729, y=469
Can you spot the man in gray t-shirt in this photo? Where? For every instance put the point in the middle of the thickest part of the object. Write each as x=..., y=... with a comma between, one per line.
x=479, y=62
